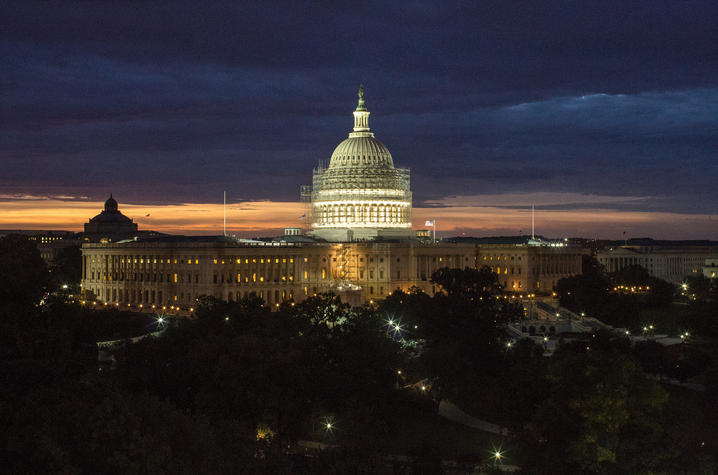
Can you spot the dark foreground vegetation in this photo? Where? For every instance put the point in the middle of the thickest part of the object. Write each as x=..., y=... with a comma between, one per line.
x=240, y=388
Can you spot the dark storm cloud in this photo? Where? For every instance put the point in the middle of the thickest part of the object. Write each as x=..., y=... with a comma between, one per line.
x=166, y=101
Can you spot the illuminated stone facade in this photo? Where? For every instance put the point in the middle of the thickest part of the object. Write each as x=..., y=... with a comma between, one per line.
x=528, y=268
x=361, y=195
x=175, y=271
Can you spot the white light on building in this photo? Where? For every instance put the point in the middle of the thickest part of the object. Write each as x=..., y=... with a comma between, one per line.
x=361, y=195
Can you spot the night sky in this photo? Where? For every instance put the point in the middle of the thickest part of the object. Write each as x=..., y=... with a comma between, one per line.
x=604, y=114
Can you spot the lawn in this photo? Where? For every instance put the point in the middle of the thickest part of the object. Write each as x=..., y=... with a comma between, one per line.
x=416, y=428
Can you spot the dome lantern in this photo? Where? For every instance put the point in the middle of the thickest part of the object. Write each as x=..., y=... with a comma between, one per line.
x=361, y=118
x=111, y=204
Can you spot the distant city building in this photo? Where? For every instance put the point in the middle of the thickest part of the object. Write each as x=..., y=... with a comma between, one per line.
x=672, y=262
x=109, y=225
x=710, y=268
x=49, y=243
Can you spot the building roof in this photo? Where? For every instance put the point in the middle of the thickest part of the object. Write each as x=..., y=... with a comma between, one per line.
x=110, y=214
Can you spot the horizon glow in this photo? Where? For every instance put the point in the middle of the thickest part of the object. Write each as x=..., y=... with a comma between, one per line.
x=267, y=218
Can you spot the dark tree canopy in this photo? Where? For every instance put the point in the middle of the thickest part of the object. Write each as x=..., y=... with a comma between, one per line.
x=23, y=274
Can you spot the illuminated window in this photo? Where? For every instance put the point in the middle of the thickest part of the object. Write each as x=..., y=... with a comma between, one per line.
x=175, y=278
x=291, y=260
x=214, y=260
x=254, y=277
x=239, y=278
x=196, y=261
x=306, y=275
x=239, y=261
x=324, y=273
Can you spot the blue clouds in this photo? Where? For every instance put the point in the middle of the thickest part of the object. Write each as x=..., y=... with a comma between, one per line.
x=607, y=98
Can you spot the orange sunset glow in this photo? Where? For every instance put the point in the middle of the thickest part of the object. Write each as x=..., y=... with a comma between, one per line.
x=269, y=217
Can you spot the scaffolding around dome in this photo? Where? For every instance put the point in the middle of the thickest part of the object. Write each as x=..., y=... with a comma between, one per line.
x=360, y=195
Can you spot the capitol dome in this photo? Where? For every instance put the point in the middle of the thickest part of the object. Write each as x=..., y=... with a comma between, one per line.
x=361, y=151
x=360, y=195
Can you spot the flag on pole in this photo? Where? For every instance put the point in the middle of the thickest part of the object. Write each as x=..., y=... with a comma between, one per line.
x=429, y=222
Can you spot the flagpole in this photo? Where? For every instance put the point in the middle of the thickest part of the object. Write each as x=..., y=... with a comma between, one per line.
x=225, y=214
x=533, y=235
x=433, y=222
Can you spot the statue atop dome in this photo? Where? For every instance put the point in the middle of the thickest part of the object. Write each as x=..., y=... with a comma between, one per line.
x=361, y=106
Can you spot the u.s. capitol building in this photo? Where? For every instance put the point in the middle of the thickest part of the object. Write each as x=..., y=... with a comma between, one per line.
x=360, y=245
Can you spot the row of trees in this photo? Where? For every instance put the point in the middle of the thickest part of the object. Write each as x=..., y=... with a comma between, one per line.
x=593, y=293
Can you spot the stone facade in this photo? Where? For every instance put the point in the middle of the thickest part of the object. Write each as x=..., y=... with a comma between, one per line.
x=175, y=271
x=528, y=268
x=671, y=264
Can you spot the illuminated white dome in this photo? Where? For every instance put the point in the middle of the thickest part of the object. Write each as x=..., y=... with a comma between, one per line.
x=360, y=195
x=361, y=151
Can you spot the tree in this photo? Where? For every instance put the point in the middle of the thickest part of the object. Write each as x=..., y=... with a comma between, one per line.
x=67, y=268
x=461, y=328
x=23, y=274
x=603, y=414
